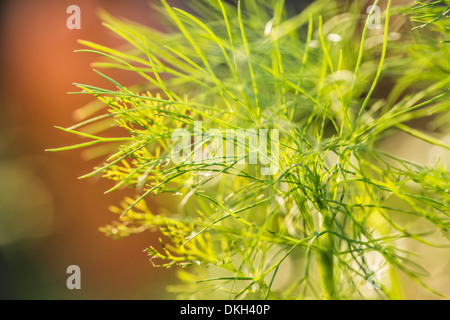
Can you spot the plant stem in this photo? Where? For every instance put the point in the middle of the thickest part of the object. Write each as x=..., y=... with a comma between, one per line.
x=325, y=260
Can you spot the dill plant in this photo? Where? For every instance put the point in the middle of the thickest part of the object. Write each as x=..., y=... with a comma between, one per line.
x=338, y=201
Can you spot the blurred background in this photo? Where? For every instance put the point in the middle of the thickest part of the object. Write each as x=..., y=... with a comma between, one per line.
x=48, y=218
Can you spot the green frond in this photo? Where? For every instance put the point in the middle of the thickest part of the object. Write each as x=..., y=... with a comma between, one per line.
x=335, y=202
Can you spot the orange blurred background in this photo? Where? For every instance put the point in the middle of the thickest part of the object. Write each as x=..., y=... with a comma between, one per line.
x=48, y=218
